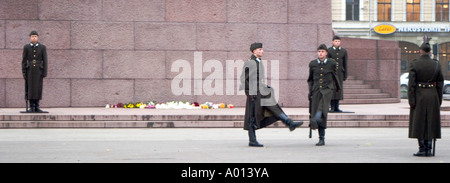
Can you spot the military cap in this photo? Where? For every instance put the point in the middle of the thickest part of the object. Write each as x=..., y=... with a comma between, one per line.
x=322, y=47
x=255, y=46
x=34, y=33
x=336, y=37
x=425, y=47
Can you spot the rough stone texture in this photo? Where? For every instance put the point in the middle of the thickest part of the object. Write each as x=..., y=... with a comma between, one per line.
x=196, y=11
x=56, y=93
x=99, y=92
x=111, y=51
x=134, y=10
x=265, y=11
x=2, y=34
x=53, y=34
x=74, y=64
x=134, y=64
x=305, y=12
x=70, y=10
x=19, y=9
x=15, y=92
x=2, y=92
x=165, y=36
x=10, y=63
x=102, y=35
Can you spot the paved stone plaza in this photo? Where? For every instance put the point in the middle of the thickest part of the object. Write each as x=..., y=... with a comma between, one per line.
x=210, y=145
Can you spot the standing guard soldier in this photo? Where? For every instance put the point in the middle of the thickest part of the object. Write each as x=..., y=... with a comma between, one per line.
x=261, y=108
x=34, y=69
x=322, y=82
x=339, y=54
x=425, y=98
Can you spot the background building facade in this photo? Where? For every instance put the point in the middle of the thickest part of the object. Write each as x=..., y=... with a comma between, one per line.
x=406, y=21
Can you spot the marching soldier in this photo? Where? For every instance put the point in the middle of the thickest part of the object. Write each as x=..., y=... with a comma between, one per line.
x=322, y=82
x=261, y=108
x=339, y=54
x=425, y=98
x=34, y=69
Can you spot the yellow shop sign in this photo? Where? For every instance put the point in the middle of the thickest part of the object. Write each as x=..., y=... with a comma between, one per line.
x=384, y=29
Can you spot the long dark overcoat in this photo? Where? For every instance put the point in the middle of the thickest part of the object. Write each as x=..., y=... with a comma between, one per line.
x=322, y=82
x=252, y=80
x=34, y=69
x=425, y=102
x=341, y=57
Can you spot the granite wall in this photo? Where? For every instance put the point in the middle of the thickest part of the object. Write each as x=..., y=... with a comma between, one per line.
x=110, y=51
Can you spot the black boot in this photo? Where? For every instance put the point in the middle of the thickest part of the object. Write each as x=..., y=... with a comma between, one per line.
x=32, y=106
x=422, y=149
x=321, y=137
x=252, y=137
x=428, y=145
x=288, y=122
x=37, y=109
x=333, y=106
x=315, y=121
x=336, y=106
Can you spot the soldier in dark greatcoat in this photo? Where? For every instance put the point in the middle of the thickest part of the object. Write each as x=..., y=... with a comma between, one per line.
x=322, y=82
x=261, y=107
x=339, y=54
x=34, y=69
x=425, y=98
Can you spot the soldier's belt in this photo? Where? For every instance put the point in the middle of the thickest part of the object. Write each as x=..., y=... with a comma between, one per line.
x=426, y=85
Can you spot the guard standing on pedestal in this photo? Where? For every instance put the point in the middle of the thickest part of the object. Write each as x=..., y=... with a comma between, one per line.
x=339, y=54
x=261, y=108
x=322, y=82
x=34, y=69
x=425, y=98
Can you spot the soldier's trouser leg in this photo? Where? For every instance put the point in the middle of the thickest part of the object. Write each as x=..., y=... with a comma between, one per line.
x=333, y=105
x=316, y=120
x=252, y=136
x=336, y=106
x=321, y=131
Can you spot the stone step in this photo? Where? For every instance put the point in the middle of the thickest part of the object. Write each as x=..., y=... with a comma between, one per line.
x=357, y=86
x=370, y=101
x=200, y=124
x=366, y=96
x=362, y=91
x=353, y=82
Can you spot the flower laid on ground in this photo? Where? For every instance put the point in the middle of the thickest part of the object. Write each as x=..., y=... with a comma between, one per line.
x=171, y=105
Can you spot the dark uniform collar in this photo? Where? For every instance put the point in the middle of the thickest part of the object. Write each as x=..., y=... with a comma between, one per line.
x=37, y=44
x=253, y=57
x=324, y=61
x=338, y=48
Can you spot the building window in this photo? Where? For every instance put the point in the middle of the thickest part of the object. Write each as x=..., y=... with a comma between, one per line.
x=352, y=10
x=413, y=10
x=409, y=52
x=384, y=10
x=444, y=50
x=442, y=10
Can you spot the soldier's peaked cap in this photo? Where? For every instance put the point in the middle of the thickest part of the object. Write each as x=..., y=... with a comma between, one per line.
x=425, y=47
x=34, y=33
x=322, y=47
x=255, y=46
